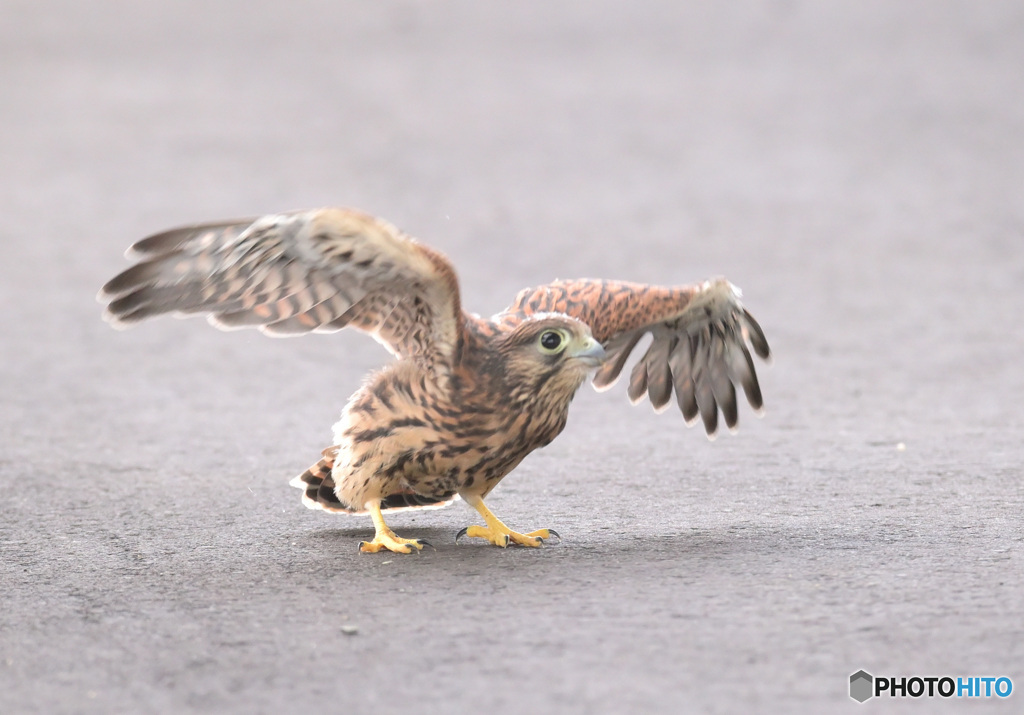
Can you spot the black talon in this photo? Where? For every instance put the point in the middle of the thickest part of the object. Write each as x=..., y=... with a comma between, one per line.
x=424, y=542
x=552, y=532
x=461, y=534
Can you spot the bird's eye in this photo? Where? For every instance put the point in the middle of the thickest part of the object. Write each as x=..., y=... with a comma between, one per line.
x=551, y=341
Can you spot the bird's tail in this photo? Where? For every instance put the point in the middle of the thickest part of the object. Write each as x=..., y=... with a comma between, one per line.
x=318, y=486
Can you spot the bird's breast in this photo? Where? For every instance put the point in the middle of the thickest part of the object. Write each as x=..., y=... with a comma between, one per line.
x=400, y=432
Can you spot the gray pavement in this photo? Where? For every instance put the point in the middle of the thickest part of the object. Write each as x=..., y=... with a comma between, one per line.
x=857, y=167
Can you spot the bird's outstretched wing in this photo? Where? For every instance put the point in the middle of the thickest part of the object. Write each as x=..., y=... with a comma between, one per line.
x=699, y=347
x=294, y=273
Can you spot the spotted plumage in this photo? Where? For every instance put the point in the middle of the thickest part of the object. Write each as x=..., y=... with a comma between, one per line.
x=467, y=398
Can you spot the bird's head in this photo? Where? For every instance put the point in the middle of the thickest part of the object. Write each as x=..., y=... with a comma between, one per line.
x=549, y=352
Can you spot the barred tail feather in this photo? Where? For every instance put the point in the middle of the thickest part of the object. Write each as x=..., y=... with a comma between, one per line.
x=318, y=488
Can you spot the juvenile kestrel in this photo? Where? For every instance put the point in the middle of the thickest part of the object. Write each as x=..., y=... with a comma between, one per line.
x=467, y=398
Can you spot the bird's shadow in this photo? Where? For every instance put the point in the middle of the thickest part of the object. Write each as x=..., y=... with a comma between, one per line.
x=435, y=536
x=684, y=543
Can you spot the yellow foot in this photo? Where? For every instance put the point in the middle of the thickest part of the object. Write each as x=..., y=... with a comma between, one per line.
x=390, y=542
x=504, y=536
x=385, y=538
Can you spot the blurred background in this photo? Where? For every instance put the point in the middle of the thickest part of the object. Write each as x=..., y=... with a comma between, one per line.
x=856, y=167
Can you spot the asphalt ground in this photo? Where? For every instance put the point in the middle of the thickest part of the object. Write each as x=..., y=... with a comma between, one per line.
x=856, y=167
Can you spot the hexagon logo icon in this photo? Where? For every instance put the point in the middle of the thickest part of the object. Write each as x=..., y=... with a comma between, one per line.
x=860, y=686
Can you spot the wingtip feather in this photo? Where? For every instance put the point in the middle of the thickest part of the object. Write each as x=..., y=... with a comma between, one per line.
x=116, y=322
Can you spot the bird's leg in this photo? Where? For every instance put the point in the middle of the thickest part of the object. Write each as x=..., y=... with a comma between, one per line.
x=385, y=538
x=496, y=532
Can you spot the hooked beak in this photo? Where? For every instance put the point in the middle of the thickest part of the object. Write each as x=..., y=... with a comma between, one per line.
x=591, y=354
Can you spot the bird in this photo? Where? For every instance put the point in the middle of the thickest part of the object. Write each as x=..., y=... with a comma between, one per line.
x=466, y=398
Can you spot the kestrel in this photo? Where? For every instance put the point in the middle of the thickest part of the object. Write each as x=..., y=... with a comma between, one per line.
x=467, y=398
